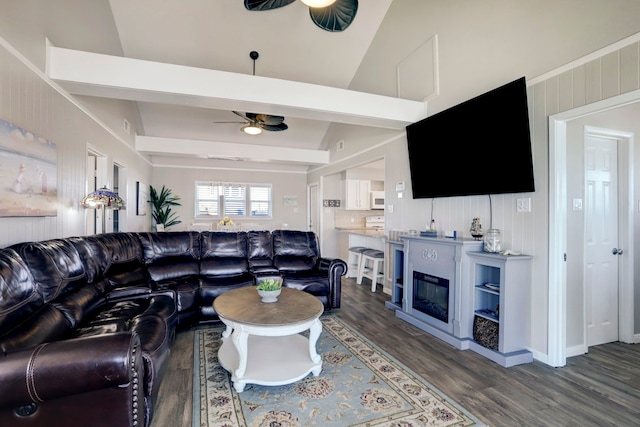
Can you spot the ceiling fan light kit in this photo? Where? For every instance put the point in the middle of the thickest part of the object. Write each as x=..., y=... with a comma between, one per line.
x=318, y=3
x=330, y=15
x=255, y=123
x=251, y=129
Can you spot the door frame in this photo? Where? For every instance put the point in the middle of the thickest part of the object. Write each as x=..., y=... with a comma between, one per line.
x=557, y=315
x=625, y=141
x=318, y=204
x=94, y=177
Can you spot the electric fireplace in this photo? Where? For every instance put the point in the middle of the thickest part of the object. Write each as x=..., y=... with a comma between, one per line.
x=432, y=300
x=431, y=295
x=438, y=293
x=444, y=290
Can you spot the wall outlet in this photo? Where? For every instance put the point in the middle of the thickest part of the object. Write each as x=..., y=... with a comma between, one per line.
x=523, y=205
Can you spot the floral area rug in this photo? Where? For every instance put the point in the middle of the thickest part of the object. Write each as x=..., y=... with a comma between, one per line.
x=360, y=385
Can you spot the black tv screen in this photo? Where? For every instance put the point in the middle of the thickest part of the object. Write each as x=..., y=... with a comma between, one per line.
x=481, y=146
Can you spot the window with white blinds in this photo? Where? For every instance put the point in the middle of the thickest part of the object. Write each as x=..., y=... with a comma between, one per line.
x=216, y=199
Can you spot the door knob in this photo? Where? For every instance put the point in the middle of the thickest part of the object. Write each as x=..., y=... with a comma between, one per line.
x=616, y=251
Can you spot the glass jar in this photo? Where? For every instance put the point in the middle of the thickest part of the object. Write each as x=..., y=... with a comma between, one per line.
x=493, y=241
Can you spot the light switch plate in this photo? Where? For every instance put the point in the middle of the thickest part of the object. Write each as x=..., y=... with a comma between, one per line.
x=577, y=204
x=523, y=205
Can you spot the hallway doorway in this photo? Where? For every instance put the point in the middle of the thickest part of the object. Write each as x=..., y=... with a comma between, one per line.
x=568, y=337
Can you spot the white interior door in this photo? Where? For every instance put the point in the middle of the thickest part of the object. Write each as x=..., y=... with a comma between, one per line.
x=601, y=239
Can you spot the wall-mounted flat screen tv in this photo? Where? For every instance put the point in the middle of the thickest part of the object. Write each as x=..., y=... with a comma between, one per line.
x=481, y=146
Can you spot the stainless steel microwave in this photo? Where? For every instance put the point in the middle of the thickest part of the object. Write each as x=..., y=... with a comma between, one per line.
x=377, y=200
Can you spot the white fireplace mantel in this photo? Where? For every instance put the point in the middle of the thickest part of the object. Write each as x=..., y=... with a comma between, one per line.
x=488, y=286
x=445, y=258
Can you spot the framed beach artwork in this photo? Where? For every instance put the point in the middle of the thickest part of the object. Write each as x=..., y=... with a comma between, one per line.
x=142, y=198
x=28, y=173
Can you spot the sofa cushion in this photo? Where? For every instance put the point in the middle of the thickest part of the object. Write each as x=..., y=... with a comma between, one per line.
x=223, y=253
x=214, y=286
x=260, y=249
x=19, y=297
x=95, y=258
x=124, y=264
x=77, y=306
x=295, y=250
x=171, y=255
x=25, y=320
x=55, y=266
x=46, y=325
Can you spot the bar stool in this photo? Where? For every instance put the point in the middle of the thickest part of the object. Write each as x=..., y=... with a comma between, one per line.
x=355, y=257
x=370, y=267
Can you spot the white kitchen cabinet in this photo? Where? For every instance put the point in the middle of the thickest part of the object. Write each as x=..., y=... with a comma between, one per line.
x=357, y=193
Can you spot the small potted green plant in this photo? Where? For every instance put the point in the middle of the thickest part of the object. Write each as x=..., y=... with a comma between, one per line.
x=269, y=289
x=161, y=203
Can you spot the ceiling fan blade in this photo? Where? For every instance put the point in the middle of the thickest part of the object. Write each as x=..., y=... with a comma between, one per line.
x=259, y=5
x=230, y=122
x=244, y=116
x=336, y=17
x=269, y=119
x=274, y=128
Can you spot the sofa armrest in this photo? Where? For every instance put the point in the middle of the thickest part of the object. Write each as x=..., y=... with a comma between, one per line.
x=128, y=292
x=59, y=369
x=336, y=268
x=150, y=293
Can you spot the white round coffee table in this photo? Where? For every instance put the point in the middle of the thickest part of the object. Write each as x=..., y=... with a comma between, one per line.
x=262, y=343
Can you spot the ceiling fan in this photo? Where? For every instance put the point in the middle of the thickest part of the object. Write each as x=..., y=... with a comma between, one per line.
x=255, y=123
x=330, y=15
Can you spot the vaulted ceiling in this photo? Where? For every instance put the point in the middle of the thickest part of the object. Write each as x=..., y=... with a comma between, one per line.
x=186, y=65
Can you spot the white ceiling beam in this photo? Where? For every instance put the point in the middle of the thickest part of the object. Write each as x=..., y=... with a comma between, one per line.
x=226, y=150
x=92, y=74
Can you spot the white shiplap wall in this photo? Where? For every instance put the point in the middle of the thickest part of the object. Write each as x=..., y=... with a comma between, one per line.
x=607, y=75
x=28, y=100
x=604, y=74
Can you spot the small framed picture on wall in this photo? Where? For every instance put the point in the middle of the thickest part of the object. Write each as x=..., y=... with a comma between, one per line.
x=141, y=198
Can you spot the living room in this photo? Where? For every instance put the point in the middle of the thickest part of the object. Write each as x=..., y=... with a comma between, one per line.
x=478, y=49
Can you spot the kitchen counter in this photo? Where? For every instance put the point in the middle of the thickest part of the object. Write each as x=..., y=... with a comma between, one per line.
x=367, y=237
x=365, y=232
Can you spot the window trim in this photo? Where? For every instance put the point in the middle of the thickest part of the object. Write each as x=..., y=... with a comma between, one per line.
x=220, y=201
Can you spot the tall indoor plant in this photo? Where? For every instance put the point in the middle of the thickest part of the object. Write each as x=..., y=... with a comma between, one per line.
x=161, y=204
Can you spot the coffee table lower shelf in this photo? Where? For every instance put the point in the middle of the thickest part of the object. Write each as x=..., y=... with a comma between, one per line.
x=271, y=360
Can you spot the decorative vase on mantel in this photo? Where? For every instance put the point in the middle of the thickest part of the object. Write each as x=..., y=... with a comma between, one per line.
x=493, y=241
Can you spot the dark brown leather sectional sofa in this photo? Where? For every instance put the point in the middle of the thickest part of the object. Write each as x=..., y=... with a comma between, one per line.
x=87, y=323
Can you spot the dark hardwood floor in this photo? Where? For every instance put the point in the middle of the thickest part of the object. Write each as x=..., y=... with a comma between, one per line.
x=601, y=388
